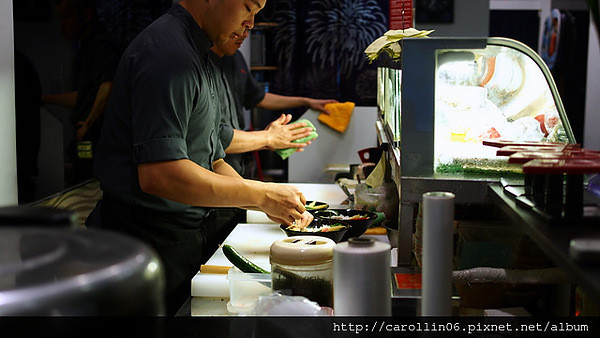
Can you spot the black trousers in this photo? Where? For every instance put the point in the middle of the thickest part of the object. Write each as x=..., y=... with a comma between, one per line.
x=178, y=240
x=218, y=225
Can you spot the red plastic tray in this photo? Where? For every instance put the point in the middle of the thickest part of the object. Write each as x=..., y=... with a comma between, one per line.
x=498, y=143
x=562, y=166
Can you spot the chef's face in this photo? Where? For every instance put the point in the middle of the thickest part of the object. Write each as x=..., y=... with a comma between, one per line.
x=231, y=46
x=229, y=19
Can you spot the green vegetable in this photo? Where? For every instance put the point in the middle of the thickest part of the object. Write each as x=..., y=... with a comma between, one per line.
x=240, y=261
x=311, y=205
x=285, y=153
x=314, y=205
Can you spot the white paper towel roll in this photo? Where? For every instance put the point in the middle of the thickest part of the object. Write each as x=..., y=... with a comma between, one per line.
x=361, y=278
x=253, y=216
x=438, y=217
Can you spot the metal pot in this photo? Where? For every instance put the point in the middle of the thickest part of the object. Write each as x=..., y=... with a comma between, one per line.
x=58, y=271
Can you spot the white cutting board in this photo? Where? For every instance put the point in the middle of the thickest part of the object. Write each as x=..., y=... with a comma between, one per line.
x=253, y=241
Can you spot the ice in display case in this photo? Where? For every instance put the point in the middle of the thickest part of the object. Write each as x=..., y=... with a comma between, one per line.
x=443, y=97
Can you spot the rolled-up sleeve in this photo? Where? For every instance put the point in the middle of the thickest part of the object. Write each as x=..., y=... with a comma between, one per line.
x=226, y=135
x=160, y=124
x=164, y=149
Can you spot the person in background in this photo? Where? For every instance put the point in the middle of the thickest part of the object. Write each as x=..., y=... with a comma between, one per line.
x=28, y=91
x=247, y=93
x=95, y=63
x=239, y=144
x=160, y=159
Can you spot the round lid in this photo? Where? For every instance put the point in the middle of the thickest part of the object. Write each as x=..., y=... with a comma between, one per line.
x=302, y=250
x=59, y=271
x=361, y=246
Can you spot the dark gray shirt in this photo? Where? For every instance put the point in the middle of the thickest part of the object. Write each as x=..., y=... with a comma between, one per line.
x=246, y=92
x=165, y=106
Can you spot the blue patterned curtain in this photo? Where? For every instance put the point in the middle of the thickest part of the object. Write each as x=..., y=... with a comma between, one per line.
x=124, y=19
x=319, y=46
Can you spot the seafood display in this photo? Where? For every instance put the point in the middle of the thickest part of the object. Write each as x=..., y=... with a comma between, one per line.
x=494, y=93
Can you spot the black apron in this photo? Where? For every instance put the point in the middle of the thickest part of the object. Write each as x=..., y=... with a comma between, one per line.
x=178, y=240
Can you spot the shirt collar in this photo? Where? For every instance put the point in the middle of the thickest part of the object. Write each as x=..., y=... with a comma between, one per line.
x=200, y=38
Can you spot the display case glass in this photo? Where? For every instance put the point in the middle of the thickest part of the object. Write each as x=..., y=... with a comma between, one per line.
x=449, y=94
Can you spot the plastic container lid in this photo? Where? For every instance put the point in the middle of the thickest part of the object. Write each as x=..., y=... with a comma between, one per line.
x=302, y=250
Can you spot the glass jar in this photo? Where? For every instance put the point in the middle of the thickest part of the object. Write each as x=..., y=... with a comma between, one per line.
x=303, y=266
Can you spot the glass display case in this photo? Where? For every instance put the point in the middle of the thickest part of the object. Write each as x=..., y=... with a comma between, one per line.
x=442, y=98
x=449, y=94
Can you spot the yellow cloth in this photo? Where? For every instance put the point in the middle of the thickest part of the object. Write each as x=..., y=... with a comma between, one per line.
x=339, y=117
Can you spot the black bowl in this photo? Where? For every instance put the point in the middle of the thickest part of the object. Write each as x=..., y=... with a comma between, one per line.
x=358, y=226
x=317, y=206
x=336, y=236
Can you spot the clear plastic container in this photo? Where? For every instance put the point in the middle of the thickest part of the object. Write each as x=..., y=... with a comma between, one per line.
x=245, y=288
x=303, y=266
x=367, y=198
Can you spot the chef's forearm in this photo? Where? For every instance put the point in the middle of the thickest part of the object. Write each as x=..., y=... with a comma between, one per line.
x=185, y=182
x=223, y=168
x=244, y=141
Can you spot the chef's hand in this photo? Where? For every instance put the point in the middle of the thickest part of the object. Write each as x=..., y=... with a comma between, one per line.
x=282, y=203
x=303, y=222
x=319, y=105
x=280, y=134
x=306, y=219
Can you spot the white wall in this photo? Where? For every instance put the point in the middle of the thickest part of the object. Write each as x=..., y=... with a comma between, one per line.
x=591, y=134
x=332, y=148
x=8, y=157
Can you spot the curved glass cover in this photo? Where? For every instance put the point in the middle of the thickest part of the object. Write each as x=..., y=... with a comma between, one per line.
x=492, y=93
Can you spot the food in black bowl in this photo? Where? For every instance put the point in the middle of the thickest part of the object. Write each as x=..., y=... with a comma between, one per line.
x=360, y=220
x=332, y=229
x=313, y=206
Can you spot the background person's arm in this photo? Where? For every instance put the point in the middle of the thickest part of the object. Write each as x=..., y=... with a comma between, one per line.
x=279, y=102
x=67, y=100
x=97, y=109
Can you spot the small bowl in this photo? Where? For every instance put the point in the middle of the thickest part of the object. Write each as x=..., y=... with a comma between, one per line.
x=358, y=226
x=317, y=206
x=336, y=236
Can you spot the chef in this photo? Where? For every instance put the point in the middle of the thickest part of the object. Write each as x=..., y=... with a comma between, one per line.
x=159, y=157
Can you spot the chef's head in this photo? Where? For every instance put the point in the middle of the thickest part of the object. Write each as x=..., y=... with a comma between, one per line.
x=231, y=46
x=76, y=17
x=224, y=20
